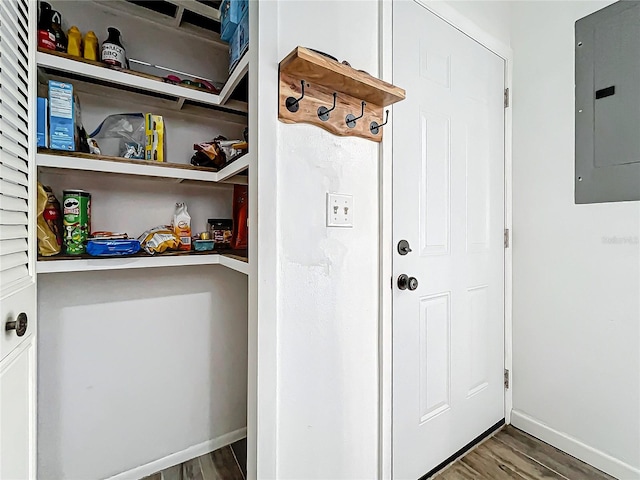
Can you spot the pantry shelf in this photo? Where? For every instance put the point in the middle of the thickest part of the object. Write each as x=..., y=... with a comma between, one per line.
x=66, y=263
x=106, y=164
x=149, y=84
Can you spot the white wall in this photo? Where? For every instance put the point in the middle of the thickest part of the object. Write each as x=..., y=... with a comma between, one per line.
x=328, y=283
x=137, y=365
x=576, y=311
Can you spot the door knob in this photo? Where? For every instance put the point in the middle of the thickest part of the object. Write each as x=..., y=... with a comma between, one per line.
x=406, y=282
x=403, y=247
x=19, y=325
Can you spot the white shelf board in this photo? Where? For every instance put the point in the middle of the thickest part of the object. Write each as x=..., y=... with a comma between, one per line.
x=146, y=169
x=88, y=70
x=234, y=168
x=125, y=263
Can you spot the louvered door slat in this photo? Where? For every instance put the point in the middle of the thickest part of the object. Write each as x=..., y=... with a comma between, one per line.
x=14, y=176
x=13, y=149
x=14, y=204
x=16, y=15
x=12, y=232
x=12, y=133
x=9, y=247
x=12, y=27
x=15, y=144
x=6, y=158
x=13, y=218
x=13, y=260
x=15, y=121
x=13, y=190
x=10, y=61
x=11, y=102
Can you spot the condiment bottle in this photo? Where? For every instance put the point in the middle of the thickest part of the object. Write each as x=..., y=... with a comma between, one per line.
x=74, y=44
x=91, y=46
x=46, y=35
x=112, y=50
x=56, y=25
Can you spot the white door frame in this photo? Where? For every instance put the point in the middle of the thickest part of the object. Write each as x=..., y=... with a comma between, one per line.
x=385, y=344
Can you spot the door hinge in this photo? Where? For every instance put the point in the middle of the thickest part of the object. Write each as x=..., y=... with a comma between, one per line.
x=507, y=238
x=506, y=97
x=506, y=379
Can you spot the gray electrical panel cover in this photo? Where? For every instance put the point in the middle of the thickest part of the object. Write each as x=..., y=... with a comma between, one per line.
x=607, y=104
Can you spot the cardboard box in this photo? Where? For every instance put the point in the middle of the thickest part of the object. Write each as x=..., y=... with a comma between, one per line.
x=231, y=13
x=154, y=129
x=61, y=116
x=41, y=124
x=239, y=43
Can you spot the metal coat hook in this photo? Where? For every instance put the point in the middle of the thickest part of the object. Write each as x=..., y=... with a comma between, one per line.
x=293, y=104
x=323, y=112
x=375, y=128
x=351, y=120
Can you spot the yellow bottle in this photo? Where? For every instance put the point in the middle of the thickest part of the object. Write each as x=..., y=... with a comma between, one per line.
x=74, y=46
x=91, y=46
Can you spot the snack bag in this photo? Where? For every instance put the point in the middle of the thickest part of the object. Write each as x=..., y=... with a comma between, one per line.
x=49, y=223
x=158, y=240
x=182, y=226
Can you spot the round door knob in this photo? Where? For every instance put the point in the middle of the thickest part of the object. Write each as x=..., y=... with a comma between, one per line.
x=413, y=283
x=19, y=325
x=406, y=282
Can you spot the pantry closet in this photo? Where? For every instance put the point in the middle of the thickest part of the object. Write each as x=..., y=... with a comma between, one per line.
x=142, y=361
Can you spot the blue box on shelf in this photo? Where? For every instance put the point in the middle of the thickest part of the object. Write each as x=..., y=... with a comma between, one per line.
x=231, y=13
x=239, y=43
x=61, y=116
x=41, y=124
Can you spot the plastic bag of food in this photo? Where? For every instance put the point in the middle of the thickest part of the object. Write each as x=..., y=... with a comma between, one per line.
x=121, y=134
x=112, y=248
x=49, y=222
x=158, y=240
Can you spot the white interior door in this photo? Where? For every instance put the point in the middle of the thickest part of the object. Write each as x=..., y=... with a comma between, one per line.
x=448, y=203
x=17, y=241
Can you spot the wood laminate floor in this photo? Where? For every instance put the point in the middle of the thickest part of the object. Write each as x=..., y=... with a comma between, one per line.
x=512, y=454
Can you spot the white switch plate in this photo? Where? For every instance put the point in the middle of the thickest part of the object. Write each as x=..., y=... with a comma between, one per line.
x=339, y=210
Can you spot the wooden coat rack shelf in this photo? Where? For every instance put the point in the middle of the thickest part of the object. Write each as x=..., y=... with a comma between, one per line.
x=318, y=90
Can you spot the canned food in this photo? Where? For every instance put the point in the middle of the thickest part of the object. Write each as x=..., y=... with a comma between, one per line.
x=76, y=220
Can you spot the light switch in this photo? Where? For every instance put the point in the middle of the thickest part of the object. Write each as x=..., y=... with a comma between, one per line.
x=339, y=210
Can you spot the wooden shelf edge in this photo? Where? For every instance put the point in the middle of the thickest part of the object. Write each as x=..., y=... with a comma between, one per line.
x=134, y=262
x=94, y=70
x=317, y=68
x=106, y=164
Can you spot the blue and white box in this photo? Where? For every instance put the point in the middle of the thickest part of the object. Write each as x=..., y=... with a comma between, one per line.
x=239, y=42
x=61, y=116
x=41, y=124
x=231, y=13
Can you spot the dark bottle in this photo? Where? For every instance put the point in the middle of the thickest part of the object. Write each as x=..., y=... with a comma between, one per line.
x=112, y=50
x=56, y=25
x=46, y=34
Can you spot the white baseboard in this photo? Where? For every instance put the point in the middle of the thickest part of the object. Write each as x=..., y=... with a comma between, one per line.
x=574, y=447
x=182, y=456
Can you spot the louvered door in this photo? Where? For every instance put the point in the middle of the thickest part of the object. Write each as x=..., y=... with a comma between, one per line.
x=17, y=240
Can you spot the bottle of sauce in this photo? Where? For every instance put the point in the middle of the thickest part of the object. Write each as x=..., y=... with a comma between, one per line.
x=112, y=50
x=56, y=25
x=46, y=35
x=74, y=43
x=91, y=46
